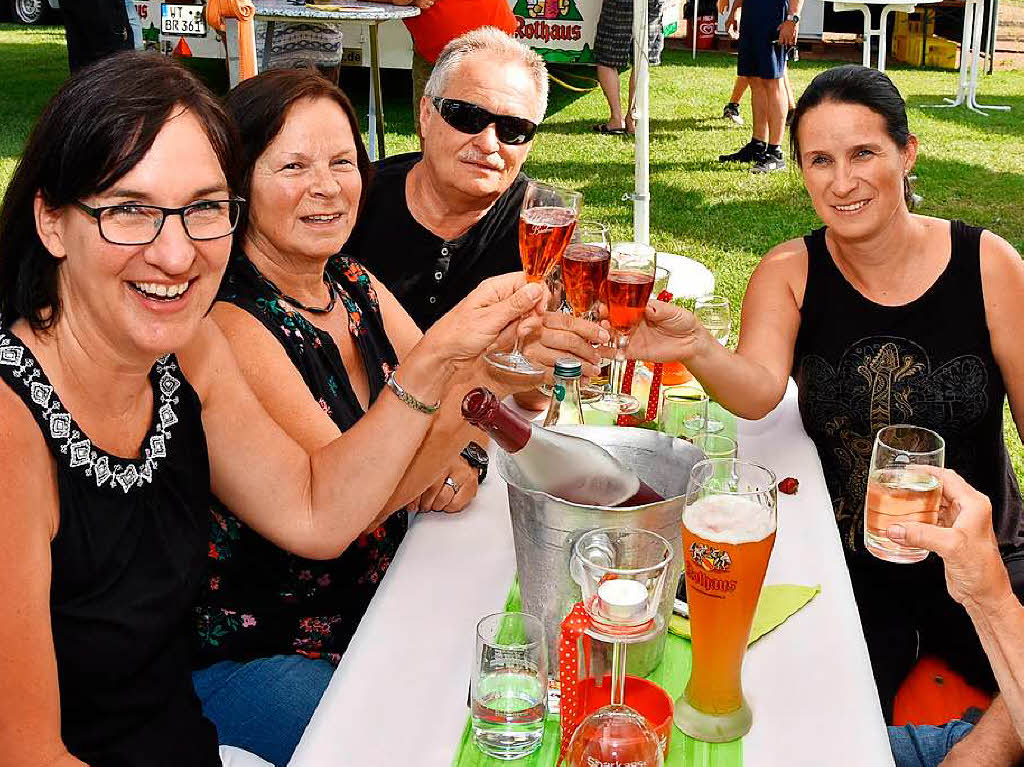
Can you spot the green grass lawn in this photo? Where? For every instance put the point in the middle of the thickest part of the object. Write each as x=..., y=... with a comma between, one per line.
x=970, y=167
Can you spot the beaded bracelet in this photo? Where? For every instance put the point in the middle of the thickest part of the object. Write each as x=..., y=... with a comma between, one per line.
x=408, y=399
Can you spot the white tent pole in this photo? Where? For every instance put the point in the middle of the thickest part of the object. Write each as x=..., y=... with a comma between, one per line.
x=693, y=29
x=642, y=192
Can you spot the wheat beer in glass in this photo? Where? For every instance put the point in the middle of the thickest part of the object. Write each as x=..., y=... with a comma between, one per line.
x=728, y=535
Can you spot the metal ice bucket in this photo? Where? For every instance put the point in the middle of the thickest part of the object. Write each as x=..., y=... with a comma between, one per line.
x=545, y=528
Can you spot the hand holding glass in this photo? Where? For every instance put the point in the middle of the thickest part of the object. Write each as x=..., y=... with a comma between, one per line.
x=899, y=490
x=546, y=224
x=627, y=290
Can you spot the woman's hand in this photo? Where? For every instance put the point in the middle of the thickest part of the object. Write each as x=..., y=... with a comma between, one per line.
x=486, y=318
x=562, y=335
x=667, y=333
x=975, y=573
x=452, y=491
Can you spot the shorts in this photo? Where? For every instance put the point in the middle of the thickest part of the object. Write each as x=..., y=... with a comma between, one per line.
x=759, y=54
x=613, y=41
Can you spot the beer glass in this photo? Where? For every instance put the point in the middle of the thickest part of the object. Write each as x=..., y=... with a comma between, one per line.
x=627, y=290
x=546, y=223
x=899, y=490
x=509, y=685
x=728, y=534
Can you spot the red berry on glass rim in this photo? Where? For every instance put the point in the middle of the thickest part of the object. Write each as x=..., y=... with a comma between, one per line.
x=789, y=485
x=665, y=296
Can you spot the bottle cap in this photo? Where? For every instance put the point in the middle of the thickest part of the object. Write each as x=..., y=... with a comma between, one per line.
x=568, y=367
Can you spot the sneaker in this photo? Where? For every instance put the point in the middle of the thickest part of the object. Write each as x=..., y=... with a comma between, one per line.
x=750, y=152
x=732, y=112
x=769, y=163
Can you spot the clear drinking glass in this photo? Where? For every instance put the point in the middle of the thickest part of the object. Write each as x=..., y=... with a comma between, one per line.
x=546, y=223
x=509, y=685
x=729, y=528
x=627, y=290
x=684, y=411
x=715, y=315
x=585, y=266
x=716, y=445
x=900, y=489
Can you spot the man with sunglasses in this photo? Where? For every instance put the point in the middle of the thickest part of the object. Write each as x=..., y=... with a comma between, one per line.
x=437, y=223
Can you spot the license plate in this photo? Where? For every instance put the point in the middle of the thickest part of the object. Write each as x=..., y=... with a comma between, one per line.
x=182, y=20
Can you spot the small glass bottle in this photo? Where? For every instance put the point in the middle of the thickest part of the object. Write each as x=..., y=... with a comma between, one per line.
x=565, y=408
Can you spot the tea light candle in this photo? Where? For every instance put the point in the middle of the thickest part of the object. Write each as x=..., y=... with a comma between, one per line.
x=622, y=600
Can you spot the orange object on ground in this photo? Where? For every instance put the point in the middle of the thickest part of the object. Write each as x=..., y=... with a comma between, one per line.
x=933, y=693
x=438, y=25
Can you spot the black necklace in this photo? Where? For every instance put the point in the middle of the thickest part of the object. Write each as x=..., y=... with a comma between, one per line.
x=298, y=304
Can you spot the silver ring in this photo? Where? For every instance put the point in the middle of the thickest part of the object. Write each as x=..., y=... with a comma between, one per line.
x=453, y=485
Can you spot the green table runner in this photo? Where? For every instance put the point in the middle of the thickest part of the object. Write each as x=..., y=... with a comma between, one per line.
x=671, y=674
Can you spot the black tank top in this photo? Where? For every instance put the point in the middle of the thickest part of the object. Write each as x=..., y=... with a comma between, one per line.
x=127, y=562
x=860, y=366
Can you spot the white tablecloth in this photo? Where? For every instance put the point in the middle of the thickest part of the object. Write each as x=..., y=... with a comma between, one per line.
x=398, y=698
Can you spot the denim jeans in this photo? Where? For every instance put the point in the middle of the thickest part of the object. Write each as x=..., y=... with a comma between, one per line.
x=925, y=745
x=263, y=706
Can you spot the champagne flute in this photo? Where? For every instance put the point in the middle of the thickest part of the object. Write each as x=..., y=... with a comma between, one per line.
x=585, y=267
x=546, y=223
x=715, y=315
x=627, y=290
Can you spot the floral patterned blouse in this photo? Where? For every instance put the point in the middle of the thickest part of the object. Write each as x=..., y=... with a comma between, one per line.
x=260, y=600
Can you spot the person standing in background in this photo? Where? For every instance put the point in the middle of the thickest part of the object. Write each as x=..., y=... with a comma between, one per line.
x=439, y=23
x=94, y=29
x=613, y=51
x=769, y=28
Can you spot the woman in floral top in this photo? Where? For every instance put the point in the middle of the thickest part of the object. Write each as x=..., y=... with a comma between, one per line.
x=317, y=337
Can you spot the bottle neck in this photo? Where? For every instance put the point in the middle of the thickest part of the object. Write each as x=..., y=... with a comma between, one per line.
x=485, y=411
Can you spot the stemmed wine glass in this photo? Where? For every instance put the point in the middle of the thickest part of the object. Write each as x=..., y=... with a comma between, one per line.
x=715, y=315
x=546, y=223
x=627, y=290
x=585, y=267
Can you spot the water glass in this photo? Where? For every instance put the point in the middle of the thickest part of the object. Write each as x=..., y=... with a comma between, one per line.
x=715, y=314
x=509, y=685
x=900, y=488
x=716, y=445
x=684, y=411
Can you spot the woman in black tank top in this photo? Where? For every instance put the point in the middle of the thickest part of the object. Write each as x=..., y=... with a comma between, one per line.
x=122, y=407
x=881, y=317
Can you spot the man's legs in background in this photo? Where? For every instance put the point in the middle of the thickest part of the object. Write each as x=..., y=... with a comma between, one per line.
x=774, y=107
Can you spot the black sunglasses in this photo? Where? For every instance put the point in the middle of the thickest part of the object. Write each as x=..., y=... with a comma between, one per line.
x=469, y=118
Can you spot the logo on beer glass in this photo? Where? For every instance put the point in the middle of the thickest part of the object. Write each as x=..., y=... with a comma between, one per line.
x=706, y=562
x=709, y=557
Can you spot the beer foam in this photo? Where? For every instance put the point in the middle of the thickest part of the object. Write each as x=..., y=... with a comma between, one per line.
x=730, y=519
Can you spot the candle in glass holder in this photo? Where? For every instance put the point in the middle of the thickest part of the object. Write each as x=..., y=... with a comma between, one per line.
x=622, y=600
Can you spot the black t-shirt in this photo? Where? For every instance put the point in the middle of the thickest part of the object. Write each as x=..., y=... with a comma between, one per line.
x=429, y=275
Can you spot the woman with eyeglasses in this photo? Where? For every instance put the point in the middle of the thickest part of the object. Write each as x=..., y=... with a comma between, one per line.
x=122, y=407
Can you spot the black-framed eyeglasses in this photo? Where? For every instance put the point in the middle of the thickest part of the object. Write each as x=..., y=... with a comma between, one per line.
x=136, y=224
x=470, y=118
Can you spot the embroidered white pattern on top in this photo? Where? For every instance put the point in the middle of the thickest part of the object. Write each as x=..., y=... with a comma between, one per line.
x=104, y=469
